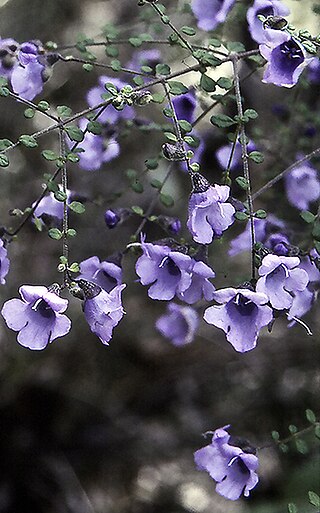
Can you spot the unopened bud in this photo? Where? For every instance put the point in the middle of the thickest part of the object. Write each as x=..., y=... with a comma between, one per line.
x=173, y=151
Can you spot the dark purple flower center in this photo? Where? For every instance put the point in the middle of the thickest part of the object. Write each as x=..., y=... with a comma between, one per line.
x=292, y=51
x=238, y=462
x=43, y=308
x=243, y=305
x=168, y=264
x=267, y=11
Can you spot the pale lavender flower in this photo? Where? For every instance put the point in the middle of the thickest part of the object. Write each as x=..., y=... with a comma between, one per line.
x=37, y=317
x=302, y=186
x=263, y=229
x=231, y=462
x=98, y=149
x=200, y=286
x=224, y=152
x=4, y=263
x=210, y=13
x=265, y=8
x=241, y=314
x=301, y=303
x=209, y=212
x=102, y=310
x=280, y=277
x=107, y=273
x=286, y=58
x=178, y=325
x=27, y=81
x=166, y=270
x=110, y=114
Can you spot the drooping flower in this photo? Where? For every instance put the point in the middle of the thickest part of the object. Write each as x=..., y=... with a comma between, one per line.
x=302, y=186
x=278, y=243
x=110, y=114
x=200, y=286
x=37, y=317
x=286, y=58
x=107, y=273
x=279, y=278
x=103, y=310
x=50, y=210
x=178, y=325
x=185, y=105
x=98, y=149
x=210, y=13
x=209, y=212
x=265, y=8
x=231, y=462
x=241, y=314
x=166, y=270
x=4, y=263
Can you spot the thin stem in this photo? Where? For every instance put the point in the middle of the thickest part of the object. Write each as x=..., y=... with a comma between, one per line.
x=278, y=177
x=32, y=106
x=71, y=58
x=245, y=160
x=64, y=183
x=176, y=31
x=290, y=437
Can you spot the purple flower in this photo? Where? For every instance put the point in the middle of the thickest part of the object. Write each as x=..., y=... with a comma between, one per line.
x=50, y=207
x=37, y=317
x=27, y=81
x=314, y=71
x=241, y=316
x=231, y=462
x=278, y=243
x=263, y=228
x=302, y=186
x=102, y=310
x=265, y=8
x=98, y=149
x=223, y=155
x=111, y=218
x=279, y=278
x=178, y=325
x=209, y=213
x=8, y=58
x=4, y=263
x=286, y=58
x=166, y=270
x=185, y=105
x=301, y=303
x=310, y=267
x=210, y=13
x=107, y=274
x=200, y=285
x=171, y=224
x=110, y=114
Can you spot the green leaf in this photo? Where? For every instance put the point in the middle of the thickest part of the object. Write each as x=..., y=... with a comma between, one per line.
x=55, y=233
x=307, y=216
x=222, y=121
x=163, y=69
x=136, y=186
x=224, y=83
x=177, y=88
x=151, y=163
x=158, y=98
x=192, y=141
x=185, y=125
x=170, y=136
x=292, y=508
x=256, y=156
x=71, y=232
x=5, y=143
x=235, y=46
x=87, y=67
x=293, y=429
x=135, y=41
x=260, y=214
x=207, y=83
x=275, y=435
x=94, y=127
x=4, y=91
x=38, y=223
x=29, y=113
x=310, y=416
x=4, y=161
x=60, y=195
x=251, y=113
x=137, y=210
x=166, y=200
x=28, y=141
x=74, y=133
x=115, y=65
x=314, y=499
x=49, y=155
x=74, y=267
x=77, y=207
x=112, y=51
x=131, y=174
x=138, y=80
x=317, y=431
x=241, y=216
x=43, y=105
x=316, y=230
x=72, y=157
x=301, y=446
x=156, y=183
x=64, y=111
x=189, y=31
x=216, y=43
x=242, y=182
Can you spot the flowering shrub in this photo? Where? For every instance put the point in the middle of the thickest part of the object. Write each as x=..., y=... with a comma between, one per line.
x=193, y=124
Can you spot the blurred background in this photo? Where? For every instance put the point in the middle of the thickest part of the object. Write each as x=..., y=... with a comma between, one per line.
x=87, y=428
